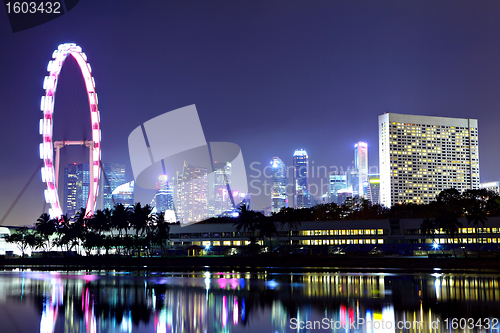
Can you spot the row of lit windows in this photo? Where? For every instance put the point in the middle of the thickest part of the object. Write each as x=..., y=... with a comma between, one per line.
x=340, y=241
x=465, y=240
x=346, y=232
x=347, y=241
x=474, y=230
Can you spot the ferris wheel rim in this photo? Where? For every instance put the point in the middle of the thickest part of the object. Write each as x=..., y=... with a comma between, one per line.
x=46, y=127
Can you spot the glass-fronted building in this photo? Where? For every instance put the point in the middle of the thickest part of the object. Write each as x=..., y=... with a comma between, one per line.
x=76, y=187
x=361, y=165
x=113, y=176
x=301, y=197
x=337, y=182
x=279, y=197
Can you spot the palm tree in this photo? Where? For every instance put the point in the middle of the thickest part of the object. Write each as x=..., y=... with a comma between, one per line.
x=161, y=232
x=267, y=228
x=450, y=224
x=141, y=217
x=428, y=228
x=46, y=227
x=120, y=219
x=291, y=217
x=247, y=222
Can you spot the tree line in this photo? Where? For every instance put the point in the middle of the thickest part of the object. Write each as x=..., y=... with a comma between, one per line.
x=134, y=230
x=126, y=230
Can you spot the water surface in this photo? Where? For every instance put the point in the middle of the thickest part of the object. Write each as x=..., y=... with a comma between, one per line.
x=267, y=301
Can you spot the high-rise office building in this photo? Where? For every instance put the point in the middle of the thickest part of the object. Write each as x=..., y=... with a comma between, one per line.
x=279, y=198
x=164, y=198
x=76, y=187
x=337, y=182
x=222, y=195
x=70, y=189
x=301, y=198
x=191, y=194
x=421, y=156
x=353, y=181
x=361, y=165
x=373, y=189
x=113, y=176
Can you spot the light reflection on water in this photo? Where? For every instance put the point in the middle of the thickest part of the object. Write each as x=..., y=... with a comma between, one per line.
x=247, y=302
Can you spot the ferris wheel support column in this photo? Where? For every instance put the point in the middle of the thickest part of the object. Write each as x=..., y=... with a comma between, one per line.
x=90, y=145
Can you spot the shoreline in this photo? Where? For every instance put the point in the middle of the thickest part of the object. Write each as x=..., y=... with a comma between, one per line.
x=258, y=263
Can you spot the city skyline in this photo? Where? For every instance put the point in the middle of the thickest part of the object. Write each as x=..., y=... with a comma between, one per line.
x=314, y=75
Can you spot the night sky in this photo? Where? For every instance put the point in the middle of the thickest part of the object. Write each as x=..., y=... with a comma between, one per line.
x=270, y=76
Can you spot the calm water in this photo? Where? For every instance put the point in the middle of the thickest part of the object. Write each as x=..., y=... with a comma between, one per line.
x=247, y=302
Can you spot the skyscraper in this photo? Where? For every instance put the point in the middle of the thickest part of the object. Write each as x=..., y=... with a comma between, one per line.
x=113, y=176
x=164, y=198
x=361, y=165
x=76, y=187
x=191, y=194
x=70, y=189
x=300, y=179
x=420, y=156
x=337, y=182
x=222, y=195
x=279, y=198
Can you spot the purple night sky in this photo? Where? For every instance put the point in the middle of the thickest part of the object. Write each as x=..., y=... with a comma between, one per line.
x=270, y=76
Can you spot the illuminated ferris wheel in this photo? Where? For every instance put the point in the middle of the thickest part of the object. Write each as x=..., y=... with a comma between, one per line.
x=50, y=170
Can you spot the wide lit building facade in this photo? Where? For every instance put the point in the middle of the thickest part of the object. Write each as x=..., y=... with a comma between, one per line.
x=420, y=156
x=491, y=186
x=279, y=198
x=124, y=195
x=300, y=179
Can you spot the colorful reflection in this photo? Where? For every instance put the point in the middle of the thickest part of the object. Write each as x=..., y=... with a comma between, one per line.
x=243, y=302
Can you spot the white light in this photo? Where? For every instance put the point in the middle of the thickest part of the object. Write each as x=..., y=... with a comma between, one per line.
x=55, y=54
x=78, y=48
x=93, y=80
x=46, y=195
x=42, y=103
x=42, y=123
x=48, y=82
x=42, y=171
x=84, y=56
x=90, y=68
x=42, y=155
x=47, y=150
